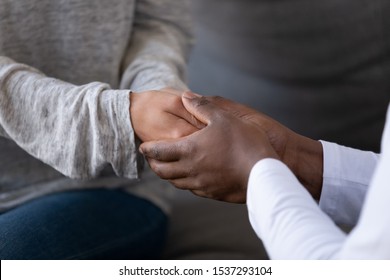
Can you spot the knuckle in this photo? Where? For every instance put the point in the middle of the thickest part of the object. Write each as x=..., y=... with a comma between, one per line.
x=202, y=101
x=191, y=172
x=216, y=98
x=198, y=184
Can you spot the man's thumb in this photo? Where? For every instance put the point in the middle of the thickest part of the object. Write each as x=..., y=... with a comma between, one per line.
x=199, y=106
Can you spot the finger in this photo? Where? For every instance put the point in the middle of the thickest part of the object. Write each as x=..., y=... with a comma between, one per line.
x=183, y=183
x=177, y=109
x=199, y=106
x=191, y=183
x=182, y=128
x=189, y=118
x=165, y=150
x=170, y=170
x=181, y=112
x=200, y=193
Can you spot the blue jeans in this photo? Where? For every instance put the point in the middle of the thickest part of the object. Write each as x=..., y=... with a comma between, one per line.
x=88, y=224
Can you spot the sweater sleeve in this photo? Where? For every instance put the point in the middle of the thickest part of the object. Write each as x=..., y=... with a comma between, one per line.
x=78, y=130
x=159, y=46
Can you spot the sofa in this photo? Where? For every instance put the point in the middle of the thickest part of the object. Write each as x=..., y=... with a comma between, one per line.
x=293, y=60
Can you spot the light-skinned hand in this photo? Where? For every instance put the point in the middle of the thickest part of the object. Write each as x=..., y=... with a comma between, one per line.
x=160, y=114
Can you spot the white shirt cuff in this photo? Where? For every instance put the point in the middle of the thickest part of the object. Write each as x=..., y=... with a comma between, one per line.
x=346, y=176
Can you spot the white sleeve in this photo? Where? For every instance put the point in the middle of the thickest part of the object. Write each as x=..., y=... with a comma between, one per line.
x=347, y=174
x=292, y=226
x=285, y=216
x=370, y=239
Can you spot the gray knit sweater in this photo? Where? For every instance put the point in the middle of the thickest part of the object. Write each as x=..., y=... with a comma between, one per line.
x=66, y=67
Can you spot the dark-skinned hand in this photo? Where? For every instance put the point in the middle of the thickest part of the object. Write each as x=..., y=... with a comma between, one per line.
x=301, y=154
x=215, y=161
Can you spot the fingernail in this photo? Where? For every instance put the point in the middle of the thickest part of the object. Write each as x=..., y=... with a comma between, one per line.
x=140, y=150
x=191, y=95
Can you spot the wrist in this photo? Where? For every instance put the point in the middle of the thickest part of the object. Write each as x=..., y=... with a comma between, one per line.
x=265, y=152
x=305, y=159
x=134, y=98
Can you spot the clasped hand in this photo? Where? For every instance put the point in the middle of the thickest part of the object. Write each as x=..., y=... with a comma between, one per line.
x=215, y=161
x=211, y=144
x=160, y=114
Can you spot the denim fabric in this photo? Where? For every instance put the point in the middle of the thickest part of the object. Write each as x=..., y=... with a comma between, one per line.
x=89, y=224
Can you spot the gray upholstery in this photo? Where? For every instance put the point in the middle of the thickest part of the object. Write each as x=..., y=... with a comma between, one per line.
x=320, y=67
